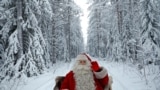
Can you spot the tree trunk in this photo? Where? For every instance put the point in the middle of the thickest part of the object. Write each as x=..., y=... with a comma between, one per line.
x=53, y=45
x=68, y=30
x=119, y=17
x=19, y=20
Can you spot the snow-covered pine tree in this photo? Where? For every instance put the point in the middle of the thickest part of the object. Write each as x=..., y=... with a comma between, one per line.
x=76, y=37
x=96, y=39
x=37, y=49
x=2, y=41
x=52, y=37
x=59, y=41
x=45, y=23
x=131, y=47
x=65, y=14
x=134, y=48
x=1, y=53
x=6, y=24
x=111, y=35
x=33, y=60
x=150, y=26
x=77, y=42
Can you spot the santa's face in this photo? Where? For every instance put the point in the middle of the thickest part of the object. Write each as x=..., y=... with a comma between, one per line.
x=82, y=62
x=82, y=65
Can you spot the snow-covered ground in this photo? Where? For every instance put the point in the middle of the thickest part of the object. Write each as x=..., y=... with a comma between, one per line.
x=125, y=77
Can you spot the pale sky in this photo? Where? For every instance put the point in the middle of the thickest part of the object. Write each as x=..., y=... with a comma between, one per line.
x=84, y=20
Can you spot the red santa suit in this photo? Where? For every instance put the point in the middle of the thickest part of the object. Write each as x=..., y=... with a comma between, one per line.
x=88, y=77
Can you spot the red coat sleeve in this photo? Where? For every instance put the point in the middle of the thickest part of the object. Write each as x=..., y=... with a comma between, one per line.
x=102, y=76
x=65, y=84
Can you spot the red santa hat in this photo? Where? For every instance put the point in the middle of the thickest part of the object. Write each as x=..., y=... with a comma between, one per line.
x=94, y=64
x=84, y=56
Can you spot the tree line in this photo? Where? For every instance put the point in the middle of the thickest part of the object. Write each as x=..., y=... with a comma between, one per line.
x=35, y=34
x=124, y=30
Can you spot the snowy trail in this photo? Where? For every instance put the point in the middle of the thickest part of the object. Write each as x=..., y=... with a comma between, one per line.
x=117, y=84
x=48, y=80
x=48, y=85
x=121, y=79
x=40, y=82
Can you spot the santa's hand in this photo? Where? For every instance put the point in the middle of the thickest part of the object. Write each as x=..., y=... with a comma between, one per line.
x=95, y=67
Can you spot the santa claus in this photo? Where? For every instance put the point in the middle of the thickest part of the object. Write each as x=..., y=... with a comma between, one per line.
x=86, y=75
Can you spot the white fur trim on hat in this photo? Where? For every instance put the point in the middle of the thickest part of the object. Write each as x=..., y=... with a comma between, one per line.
x=81, y=57
x=101, y=74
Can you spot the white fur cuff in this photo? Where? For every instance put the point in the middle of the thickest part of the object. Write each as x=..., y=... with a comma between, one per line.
x=101, y=74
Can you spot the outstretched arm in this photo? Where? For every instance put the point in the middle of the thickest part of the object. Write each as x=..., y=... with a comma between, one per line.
x=100, y=73
x=102, y=76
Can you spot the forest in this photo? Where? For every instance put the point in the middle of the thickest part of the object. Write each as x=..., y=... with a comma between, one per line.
x=36, y=34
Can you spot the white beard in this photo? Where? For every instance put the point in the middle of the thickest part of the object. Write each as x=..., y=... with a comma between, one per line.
x=84, y=78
